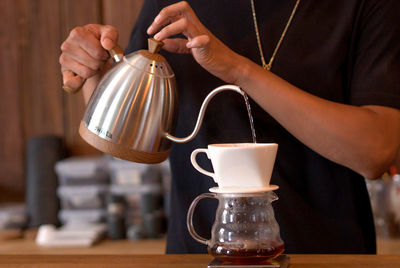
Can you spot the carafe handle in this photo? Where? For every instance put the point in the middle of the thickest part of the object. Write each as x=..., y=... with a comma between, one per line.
x=116, y=53
x=189, y=220
x=202, y=111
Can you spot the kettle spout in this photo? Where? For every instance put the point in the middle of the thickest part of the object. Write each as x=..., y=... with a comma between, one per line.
x=202, y=112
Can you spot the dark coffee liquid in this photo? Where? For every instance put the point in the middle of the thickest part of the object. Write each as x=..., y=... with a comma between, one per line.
x=245, y=256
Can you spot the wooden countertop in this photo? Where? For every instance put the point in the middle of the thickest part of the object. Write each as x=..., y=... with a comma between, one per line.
x=110, y=247
x=20, y=253
x=26, y=246
x=190, y=261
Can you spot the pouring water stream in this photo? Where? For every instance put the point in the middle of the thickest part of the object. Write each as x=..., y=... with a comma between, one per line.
x=253, y=131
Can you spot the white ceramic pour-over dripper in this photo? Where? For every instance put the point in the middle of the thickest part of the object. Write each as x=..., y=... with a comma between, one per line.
x=239, y=167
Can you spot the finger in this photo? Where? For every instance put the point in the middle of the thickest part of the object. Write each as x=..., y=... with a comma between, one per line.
x=108, y=35
x=87, y=40
x=94, y=48
x=176, y=45
x=154, y=27
x=77, y=53
x=68, y=63
x=71, y=82
x=181, y=9
x=201, y=41
x=183, y=26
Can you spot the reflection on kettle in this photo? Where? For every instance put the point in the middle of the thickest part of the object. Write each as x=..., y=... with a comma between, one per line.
x=132, y=113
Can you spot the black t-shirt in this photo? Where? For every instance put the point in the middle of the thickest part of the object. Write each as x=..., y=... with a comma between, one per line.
x=347, y=51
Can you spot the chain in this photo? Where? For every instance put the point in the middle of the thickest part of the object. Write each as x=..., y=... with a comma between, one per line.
x=269, y=65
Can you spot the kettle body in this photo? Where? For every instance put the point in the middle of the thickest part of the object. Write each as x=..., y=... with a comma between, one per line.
x=132, y=113
x=133, y=106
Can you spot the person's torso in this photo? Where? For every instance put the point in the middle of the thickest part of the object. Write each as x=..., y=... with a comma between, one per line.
x=321, y=203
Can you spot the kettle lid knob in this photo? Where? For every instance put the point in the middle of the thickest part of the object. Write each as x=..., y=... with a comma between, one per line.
x=154, y=45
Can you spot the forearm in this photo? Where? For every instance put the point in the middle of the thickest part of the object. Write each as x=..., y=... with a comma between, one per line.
x=365, y=139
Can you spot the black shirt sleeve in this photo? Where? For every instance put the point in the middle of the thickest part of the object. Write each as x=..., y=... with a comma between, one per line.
x=376, y=70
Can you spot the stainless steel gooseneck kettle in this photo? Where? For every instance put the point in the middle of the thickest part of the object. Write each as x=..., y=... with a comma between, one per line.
x=133, y=111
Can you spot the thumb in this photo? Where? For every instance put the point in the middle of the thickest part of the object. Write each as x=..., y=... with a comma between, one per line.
x=200, y=46
x=108, y=35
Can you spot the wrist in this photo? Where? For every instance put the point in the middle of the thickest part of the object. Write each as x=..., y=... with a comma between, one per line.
x=241, y=71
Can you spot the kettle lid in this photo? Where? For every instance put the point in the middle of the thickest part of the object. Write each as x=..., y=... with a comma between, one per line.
x=150, y=60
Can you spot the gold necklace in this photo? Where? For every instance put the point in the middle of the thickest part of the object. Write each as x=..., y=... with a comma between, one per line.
x=269, y=65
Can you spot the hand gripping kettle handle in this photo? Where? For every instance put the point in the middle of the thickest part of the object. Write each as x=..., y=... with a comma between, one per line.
x=189, y=219
x=202, y=112
x=116, y=53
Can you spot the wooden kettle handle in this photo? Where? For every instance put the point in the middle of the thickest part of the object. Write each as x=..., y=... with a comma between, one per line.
x=116, y=53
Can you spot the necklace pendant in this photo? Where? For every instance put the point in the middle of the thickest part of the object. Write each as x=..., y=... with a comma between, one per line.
x=269, y=65
x=266, y=67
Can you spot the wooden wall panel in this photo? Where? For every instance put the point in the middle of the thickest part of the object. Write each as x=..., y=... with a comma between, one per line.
x=39, y=68
x=11, y=141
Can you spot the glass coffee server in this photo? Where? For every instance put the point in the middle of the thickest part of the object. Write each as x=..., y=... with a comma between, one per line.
x=245, y=232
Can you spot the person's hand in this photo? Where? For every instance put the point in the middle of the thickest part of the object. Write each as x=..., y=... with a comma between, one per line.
x=208, y=51
x=84, y=53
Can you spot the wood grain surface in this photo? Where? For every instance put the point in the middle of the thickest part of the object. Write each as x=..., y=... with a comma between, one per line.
x=149, y=253
x=11, y=142
x=104, y=247
x=190, y=261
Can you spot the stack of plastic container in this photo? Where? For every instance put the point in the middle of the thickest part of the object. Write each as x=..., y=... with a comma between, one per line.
x=13, y=219
x=83, y=187
x=142, y=187
x=385, y=202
